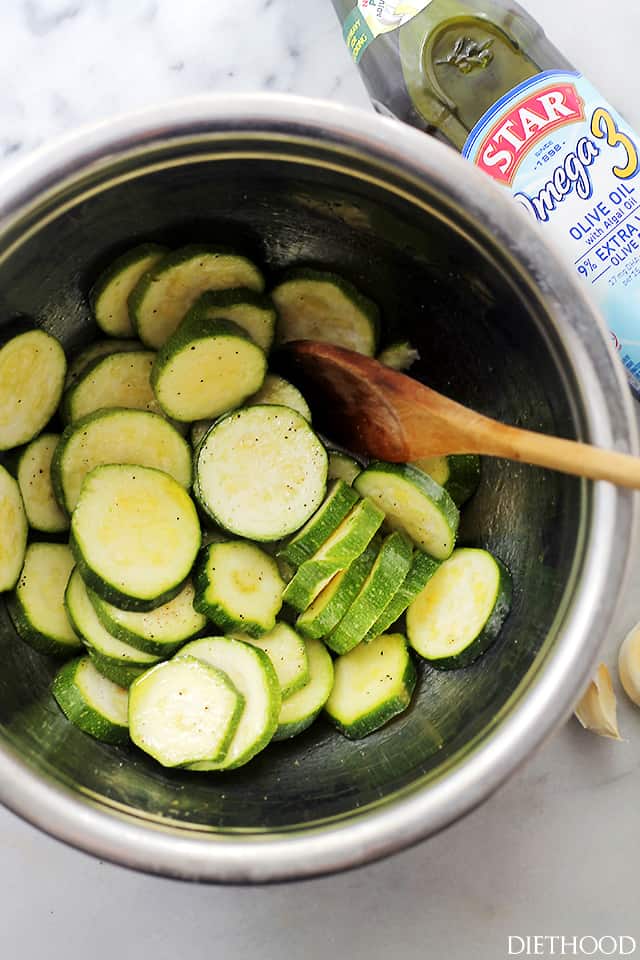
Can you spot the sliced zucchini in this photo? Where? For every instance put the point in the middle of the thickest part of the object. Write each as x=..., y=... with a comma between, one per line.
x=373, y=683
x=118, y=661
x=422, y=569
x=251, y=672
x=414, y=503
x=459, y=474
x=337, y=553
x=113, y=287
x=206, y=368
x=315, y=305
x=385, y=577
x=332, y=603
x=32, y=372
x=399, y=356
x=300, y=710
x=461, y=610
x=161, y=631
x=36, y=486
x=91, y=702
x=287, y=653
x=13, y=531
x=184, y=711
x=280, y=393
x=252, y=311
x=261, y=472
x=117, y=380
x=117, y=436
x=164, y=294
x=198, y=429
x=95, y=350
x=135, y=535
x=338, y=503
x=37, y=603
x=343, y=467
x=238, y=587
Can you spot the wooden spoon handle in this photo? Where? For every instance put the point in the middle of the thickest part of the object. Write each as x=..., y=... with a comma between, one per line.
x=568, y=456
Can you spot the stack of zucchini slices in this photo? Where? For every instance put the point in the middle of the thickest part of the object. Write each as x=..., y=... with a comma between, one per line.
x=213, y=593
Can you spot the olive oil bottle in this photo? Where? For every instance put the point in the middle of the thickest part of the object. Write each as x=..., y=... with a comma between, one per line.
x=482, y=76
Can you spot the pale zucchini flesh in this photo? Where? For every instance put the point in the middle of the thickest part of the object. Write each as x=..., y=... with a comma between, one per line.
x=422, y=569
x=459, y=474
x=113, y=288
x=288, y=655
x=338, y=503
x=300, y=710
x=332, y=603
x=280, y=393
x=32, y=371
x=343, y=467
x=238, y=587
x=252, y=674
x=400, y=356
x=252, y=311
x=117, y=380
x=261, y=472
x=184, y=711
x=135, y=535
x=373, y=683
x=206, y=368
x=88, y=355
x=413, y=503
x=385, y=577
x=37, y=604
x=117, y=436
x=460, y=611
x=13, y=531
x=36, y=486
x=314, y=305
x=164, y=295
x=95, y=705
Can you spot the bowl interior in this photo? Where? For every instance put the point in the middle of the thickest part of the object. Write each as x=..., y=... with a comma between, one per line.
x=481, y=338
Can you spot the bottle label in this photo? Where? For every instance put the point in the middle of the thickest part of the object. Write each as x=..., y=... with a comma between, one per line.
x=370, y=18
x=571, y=162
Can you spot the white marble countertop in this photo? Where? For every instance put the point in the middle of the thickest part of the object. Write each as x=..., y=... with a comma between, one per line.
x=555, y=851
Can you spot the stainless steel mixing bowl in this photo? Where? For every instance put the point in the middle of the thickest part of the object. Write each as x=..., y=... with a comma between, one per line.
x=500, y=324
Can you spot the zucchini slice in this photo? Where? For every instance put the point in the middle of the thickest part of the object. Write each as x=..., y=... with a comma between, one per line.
x=338, y=503
x=461, y=610
x=161, y=631
x=251, y=672
x=414, y=503
x=117, y=436
x=315, y=305
x=300, y=710
x=206, y=368
x=37, y=603
x=288, y=655
x=373, y=683
x=32, y=372
x=135, y=535
x=332, y=603
x=198, y=430
x=118, y=661
x=117, y=380
x=184, y=711
x=343, y=467
x=36, y=486
x=13, y=531
x=385, y=577
x=162, y=297
x=108, y=298
x=261, y=472
x=91, y=702
x=95, y=350
x=238, y=587
x=338, y=552
x=280, y=393
x=422, y=569
x=252, y=311
x=459, y=474
x=399, y=356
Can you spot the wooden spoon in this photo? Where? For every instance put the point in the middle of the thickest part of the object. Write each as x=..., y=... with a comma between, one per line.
x=374, y=410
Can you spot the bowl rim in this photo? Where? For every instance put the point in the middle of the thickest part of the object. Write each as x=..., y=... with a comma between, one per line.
x=361, y=836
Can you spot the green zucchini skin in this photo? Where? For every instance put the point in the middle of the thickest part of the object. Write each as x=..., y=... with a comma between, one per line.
x=145, y=254
x=300, y=710
x=325, y=521
x=39, y=641
x=36, y=486
x=97, y=349
x=462, y=474
x=330, y=606
x=74, y=407
x=227, y=304
x=343, y=467
x=422, y=569
x=75, y=707
x=122, y=674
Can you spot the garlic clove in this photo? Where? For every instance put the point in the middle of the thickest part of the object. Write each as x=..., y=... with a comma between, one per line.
x=629, y=664
x=597, y=710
